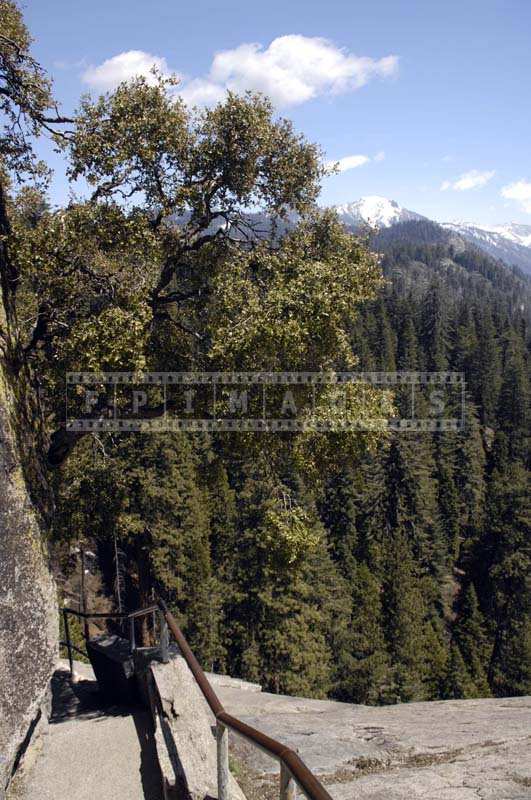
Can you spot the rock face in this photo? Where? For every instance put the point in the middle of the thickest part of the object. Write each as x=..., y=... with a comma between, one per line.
x=28, y=599
x=185, y=743
x=449, y=750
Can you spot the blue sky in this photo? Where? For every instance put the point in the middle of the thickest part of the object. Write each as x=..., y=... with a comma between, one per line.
x=444, y=127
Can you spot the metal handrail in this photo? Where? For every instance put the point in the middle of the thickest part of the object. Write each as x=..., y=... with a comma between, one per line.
x=292, y=768
x=111, y=614
x=130, y=616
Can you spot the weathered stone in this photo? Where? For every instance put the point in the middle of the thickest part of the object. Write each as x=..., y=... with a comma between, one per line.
x=449, y=750
x=28, y=599
x=185, y=742
x=228, y=682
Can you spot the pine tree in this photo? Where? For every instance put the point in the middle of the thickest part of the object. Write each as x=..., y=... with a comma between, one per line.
x=484, y=378
x=405, y=620
x=365, y=668
x=339, y=513
x=435, y=335
x=458, y=684
x=411, y=498
x=470, y=477
x=513, y=404
x=471, y=637
x=436, y=654
x=465, y=341
x=285, y=592
x=505, y=568
x=445, y=449
x=407, y=348
x=384, y=345
x=293, y=652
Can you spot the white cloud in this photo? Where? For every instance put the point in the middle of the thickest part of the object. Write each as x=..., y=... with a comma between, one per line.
x=352, y=162
x=294, y=69
x=291, y=70
x=469, y=180
x=348, y=162
x=123, y=67
x=201, y=92
x=519, y=191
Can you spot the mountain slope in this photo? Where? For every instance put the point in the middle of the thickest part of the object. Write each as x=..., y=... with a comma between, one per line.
x=510, y=243
x=419, y=252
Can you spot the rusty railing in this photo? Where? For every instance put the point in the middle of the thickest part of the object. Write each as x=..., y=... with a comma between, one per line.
x=293, y=771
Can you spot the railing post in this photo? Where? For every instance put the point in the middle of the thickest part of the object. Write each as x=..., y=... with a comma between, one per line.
x=83, y=604
x=164, y=639
x=222, y=739
x=132, y=640
x=288, y=789
x=68, y=643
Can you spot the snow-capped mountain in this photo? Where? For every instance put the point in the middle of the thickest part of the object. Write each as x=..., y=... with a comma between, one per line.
x=378, y=212
x=511, y=243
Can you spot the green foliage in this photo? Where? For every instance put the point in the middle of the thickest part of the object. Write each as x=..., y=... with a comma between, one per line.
x=145, y=493
x=292, y=305
x=288, y=531
x=406, y=620
x=364, y=666
x=458, y=684
x=26, y=103
x=141, y=139
x=471, y=637
x=505, y=571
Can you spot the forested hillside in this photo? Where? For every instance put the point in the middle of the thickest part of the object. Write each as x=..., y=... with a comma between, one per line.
x=399, y=574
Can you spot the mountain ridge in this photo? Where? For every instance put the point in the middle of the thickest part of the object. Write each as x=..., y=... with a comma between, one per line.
x=511, y=242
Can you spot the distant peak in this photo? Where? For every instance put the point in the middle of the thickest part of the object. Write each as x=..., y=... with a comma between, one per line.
x=376, y=211
x=515, y=232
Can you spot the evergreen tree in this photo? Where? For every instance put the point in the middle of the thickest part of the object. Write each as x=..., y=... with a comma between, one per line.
x=458, y=684
x=437, y=655
x=364, y=668
x=445, y=450
x=465, y=341
x=471, y=637
x=384, y=346
x=339, y=513
x=407, y=353
x=411, y=498
x=147, y=496
x=405, y=620
x=513, y=410
x=485, y=377
x=470, y=477
x=435, y=330
x=505, y=568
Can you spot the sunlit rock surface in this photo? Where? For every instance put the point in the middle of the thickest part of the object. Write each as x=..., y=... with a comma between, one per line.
x=450, y=750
